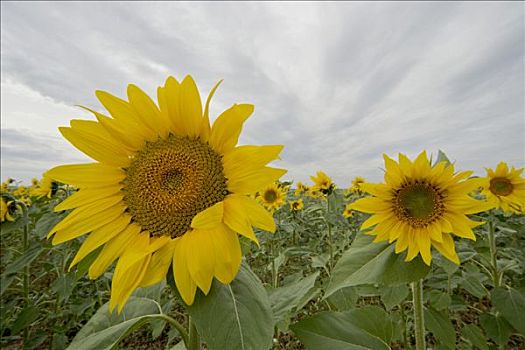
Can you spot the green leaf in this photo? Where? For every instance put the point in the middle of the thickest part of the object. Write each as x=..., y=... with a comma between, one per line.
x=64, y=285
x=105, y=330
x=392, y=296
x=235, y=316
x=496, y=327
x=359, y=329
x=438, y=323
x=285, y=299
x=475, y=336
x=438, y=300
x=370, y=263
x=28, y=315
x=344, y=298
x=47, y=222
x=25, y=259
x=509, y=302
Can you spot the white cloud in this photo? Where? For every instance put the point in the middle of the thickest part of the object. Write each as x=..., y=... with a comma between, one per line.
x=337, y=83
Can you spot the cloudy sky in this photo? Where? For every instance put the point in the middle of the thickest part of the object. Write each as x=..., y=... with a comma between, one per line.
x=338, y=84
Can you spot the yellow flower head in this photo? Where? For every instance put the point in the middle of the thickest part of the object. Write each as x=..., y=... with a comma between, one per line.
x=5, y=210
x=420, y=206
x=322, y=183
x=21, y=191
x=505, y=188
x=301, y=188
x=166, y=188
x=296, y=205
x=34, y=181
x=45, y=187
x=356, y=184
x=348, y=212
x=272, y=197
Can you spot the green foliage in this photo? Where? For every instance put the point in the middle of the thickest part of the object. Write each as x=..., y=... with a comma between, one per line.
x=235, y=316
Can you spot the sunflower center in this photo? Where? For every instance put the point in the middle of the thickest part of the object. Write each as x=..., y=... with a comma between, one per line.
x=170, y=181
x=418, y=203
x=270, y=196
x=501, y=186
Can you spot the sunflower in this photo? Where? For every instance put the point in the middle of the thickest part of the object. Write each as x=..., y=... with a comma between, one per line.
x=322, y=183
x=6, y=210
x=420, y=206
x=296, y=205
x=45, y=187
x=347, y=211
x=356, y=185
x=166, y=189
x=505, y=188
x=301, y=188
x=272, y=197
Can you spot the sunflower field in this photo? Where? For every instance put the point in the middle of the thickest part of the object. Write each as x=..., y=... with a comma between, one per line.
x=176, y=237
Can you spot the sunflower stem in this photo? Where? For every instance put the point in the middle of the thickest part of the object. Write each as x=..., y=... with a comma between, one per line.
x=330, y=248
x=419, y=319
x=493, y=252
x=180, y=328
x=194, y=342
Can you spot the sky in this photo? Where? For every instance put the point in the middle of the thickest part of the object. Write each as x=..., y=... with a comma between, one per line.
x=339, y=84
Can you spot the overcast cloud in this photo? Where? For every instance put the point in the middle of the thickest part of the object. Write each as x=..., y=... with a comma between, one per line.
x=338, y=84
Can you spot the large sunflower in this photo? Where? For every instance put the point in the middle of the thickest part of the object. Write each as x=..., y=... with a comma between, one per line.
x=505, y=188
x=420, y=206
x=166, y=189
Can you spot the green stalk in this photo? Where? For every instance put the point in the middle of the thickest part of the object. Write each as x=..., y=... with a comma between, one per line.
x=405, y=333
x=419, y=319
x=180, y=328
x=330, y=247
x=194, y=339
x=493, y=253
x=25, y=244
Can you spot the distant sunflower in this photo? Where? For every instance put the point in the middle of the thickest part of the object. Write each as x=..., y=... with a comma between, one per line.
x=356, y=184
x=505, y=188
x=322, y=183
x=420, y=206
x=167, y=188
x=45, y=187
x=300, y=189
x=296, y=205
x=347, y=211
x=272, y=197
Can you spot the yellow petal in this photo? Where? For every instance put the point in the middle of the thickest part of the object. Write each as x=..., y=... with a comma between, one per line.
x=125, y=115
x=402, y=241
x=95, y=147
x=169, y=101
x=245, y=160
x=228, y=254
x=83, y=215
x=447, y=248
x=460, y=225
x=258, y=216
x=255, y=181
x=378, y=190
x=370, y=205
x=236, y=216
x=227, y=128
x=87, y=175
x=100, y=236
x=128, y=135
x=209, y=218
x=147, y=110
x=205, y=127
x=185, y=284
x=113, y=249
x=423, y=242
x=413, y=247
x=190, y=107
x=87, y=196
x=371, y=221
x=201, y=261
x=159, y=265
x=124, y=283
